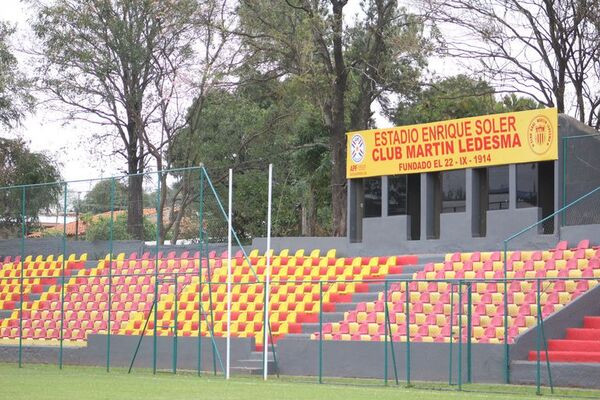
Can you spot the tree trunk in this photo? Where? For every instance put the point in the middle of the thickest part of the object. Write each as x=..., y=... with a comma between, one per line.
x=338, y=180
x=337, y=139
x=135, y=204
x=135, y=190
x=309, y=213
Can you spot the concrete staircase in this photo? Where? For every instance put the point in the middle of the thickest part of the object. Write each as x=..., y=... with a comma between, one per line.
x=254, y=364
x=374, y=289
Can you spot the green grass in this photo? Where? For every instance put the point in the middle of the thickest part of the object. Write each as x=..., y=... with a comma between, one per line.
x=89, y=383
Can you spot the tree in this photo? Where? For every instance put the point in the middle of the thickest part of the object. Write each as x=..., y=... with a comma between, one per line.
x=262, y=121
x=308, y=39
x=117, y=64
x=101, y=227
x=21, y=166
x=15, y=98
x=457, y=97
x=98, y=200
x=545, y=49
x=388, y=52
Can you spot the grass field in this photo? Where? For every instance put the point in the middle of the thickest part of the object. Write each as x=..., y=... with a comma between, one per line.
x=87, y=383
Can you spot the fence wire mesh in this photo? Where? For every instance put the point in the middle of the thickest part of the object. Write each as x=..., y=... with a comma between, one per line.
x=581, y=174
x=84, y=271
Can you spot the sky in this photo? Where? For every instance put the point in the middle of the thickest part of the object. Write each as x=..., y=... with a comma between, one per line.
x=47, y=131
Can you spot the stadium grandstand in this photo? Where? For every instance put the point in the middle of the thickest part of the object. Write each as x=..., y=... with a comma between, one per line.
x=480, y=265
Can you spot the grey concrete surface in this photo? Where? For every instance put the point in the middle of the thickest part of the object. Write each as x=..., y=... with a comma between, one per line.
x=429, y=361
x=122, y=349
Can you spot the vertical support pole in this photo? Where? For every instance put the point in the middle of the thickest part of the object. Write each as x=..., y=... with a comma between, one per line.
x=385, y=346
x=389, y=330
x=451, y=332
x=460, y=338
x=268, y=277
x=156, y=267
x=469, y=329
x=545, y=343
x=229, y=228
x=320, y=331
x=506, y=348
x=21, y=297
x=201, y=240
x=110, y=261
x=215, y=351
x=538, y=339
x=407, y=317
x=62, y=278
x=175, y=332
x=564, y=180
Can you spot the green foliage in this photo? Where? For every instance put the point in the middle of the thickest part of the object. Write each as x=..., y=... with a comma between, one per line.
x=248, y=128
x=98, y=200
x=457, y=97
x=21, y=166
x=15, y=98
x=99, y=228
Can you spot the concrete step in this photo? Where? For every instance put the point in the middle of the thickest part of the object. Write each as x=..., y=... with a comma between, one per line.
x=343, y=307
x=310, y=327
x=362, y=297
x=333, y=316
x=255, y=364
x=258, y=355
x=299, y=335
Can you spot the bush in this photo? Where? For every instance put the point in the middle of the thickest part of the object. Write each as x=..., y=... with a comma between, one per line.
x=98, y=228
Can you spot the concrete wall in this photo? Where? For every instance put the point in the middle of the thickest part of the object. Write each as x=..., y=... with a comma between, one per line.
x=429, y=361
x=95, y=250
x=388, y=245
x=122, y=349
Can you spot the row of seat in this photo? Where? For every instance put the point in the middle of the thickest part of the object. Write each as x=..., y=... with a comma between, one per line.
x=433, y=307
x=200, y=300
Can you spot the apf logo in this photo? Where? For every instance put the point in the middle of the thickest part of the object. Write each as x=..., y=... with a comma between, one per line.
x=357, y=148
x=540, y=135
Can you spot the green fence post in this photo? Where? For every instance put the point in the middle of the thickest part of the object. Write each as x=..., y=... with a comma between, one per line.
x=537, y=341
x=62, y=278
x=175, y=326
x=407, y=322
x=545, y=343
x=469, y=329
x=460, y=338
x=385, y=351
x=389, y=331
x=156, y=267
x=201, y=241
x=505, y=301
x=110, y=278
x=451, y=333
x=210, y=307
x=21, y=281
x=320, y=331
x=564, y=179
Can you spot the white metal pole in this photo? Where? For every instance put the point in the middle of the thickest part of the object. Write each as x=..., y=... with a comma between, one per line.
x=268, y=276
x=229, y=229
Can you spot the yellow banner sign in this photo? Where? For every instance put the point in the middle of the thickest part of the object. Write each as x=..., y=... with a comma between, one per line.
x=510, y=138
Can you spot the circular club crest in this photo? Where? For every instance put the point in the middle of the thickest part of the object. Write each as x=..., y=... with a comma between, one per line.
x=540, y=135
x=357, y=148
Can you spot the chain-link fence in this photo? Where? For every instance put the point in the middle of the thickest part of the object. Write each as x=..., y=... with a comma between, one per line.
x=151, y=291
x=580, y=175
